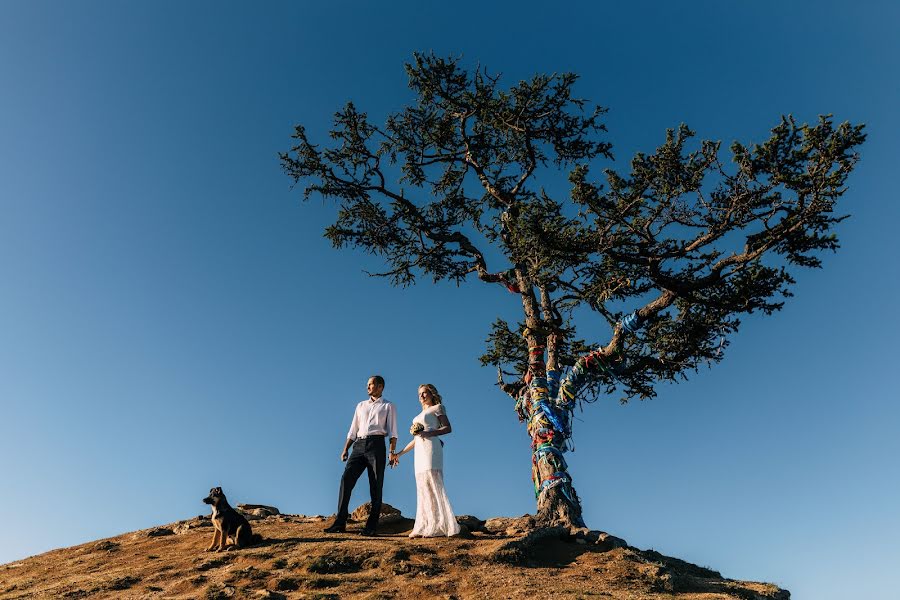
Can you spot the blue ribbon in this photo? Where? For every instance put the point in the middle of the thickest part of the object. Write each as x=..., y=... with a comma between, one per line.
x=553, y=383
x=559, y=478
x=632, y=323
x=554, y=417
x=554, y=451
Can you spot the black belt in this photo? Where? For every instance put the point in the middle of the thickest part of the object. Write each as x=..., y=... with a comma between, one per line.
x=371, y=437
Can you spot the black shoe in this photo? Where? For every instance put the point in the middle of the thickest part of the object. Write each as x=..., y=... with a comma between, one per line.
x=368, y=532
x=336, y=528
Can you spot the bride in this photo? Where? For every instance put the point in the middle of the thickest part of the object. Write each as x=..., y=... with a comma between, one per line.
x=434, y=515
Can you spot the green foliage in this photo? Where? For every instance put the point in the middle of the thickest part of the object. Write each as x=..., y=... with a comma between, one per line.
x=688, y=239
x=507, y=348
x=460, y=126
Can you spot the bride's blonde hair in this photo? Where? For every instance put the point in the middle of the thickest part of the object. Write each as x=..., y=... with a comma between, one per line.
x=434, y=393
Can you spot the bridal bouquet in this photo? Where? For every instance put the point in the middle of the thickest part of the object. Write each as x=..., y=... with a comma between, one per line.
x=416, y=428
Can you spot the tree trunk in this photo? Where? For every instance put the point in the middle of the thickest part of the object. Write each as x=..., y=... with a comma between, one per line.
x=557, y=502
x=547, y=420
x=555, y=508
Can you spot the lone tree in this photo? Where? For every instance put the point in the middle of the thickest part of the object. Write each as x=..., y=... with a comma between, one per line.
x=669, y=255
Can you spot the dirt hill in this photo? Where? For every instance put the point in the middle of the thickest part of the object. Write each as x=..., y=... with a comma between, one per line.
x=502, y=558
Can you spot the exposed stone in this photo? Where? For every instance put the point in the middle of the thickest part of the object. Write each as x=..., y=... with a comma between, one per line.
x=608, y=542
x=106, y=546
x=283, y=518
x=257, y=510
x=497, y=524
x=515, y=551
x=160, y=531
x=510, y=526
x=591, y=536
x=471, y=523
x=464, y=532
x=183, y=527
x=582, y=533
x=153, y=532
x=389, y=514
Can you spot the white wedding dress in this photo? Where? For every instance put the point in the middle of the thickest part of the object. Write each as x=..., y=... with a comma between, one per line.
x=434, y=515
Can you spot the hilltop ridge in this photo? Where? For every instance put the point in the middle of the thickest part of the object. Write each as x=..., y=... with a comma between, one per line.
x=498, y=558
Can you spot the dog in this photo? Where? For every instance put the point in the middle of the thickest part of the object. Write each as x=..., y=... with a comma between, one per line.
x=228, y=523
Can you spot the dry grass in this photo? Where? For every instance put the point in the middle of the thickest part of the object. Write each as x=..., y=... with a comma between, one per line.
x=298, y=560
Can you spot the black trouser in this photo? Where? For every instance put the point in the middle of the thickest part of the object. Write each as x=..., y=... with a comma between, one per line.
x=368, y=454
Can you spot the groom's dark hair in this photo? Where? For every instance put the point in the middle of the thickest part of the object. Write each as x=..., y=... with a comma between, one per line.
x=378, y=379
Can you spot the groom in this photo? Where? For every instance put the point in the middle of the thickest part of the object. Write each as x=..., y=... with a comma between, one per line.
x=373, y=420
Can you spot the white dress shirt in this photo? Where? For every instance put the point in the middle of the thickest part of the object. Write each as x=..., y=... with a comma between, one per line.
x=373, y=417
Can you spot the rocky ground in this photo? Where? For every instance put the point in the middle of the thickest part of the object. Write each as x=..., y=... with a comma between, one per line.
x=500, y=558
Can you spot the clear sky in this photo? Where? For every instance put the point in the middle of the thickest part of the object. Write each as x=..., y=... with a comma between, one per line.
x=172, y=319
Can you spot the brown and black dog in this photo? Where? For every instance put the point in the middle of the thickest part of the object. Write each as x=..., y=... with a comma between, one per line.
x=228, y=523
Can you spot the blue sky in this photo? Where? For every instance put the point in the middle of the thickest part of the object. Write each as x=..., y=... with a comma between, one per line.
x=172, y=319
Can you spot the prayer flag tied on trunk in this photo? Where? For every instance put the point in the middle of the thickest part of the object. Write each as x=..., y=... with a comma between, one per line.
x=547, y=404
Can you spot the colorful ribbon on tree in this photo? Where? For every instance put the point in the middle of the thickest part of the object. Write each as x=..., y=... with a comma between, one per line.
x=546, y=404
x=632, y=323
x=548, y=460
x=509, y=280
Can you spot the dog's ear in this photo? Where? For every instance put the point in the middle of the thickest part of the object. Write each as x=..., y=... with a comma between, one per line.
x=215, y=491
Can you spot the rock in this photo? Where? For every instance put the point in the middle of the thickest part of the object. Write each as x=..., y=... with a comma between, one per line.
x=154, y=532
x=497, y=524
x=471, y=523
x=283, y=518
x=160, y=531
x=609, y=542
x=510, y=526
x=580, y=532
x=183, y=527
x=516, y=551
x=583, y=535
x=258, y=510
x=464, y=532
x=106, y=546
x=389, y=514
